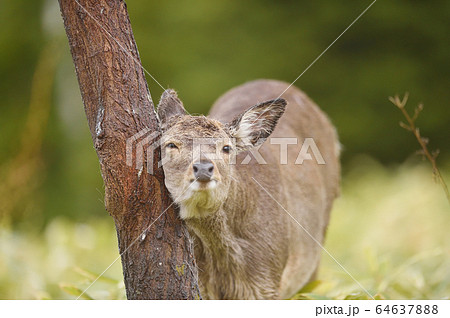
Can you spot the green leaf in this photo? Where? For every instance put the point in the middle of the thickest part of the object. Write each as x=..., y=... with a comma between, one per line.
x=91, y=276
x=308, y=288
x=75, y=291
x=358, y=296
x=309, y=296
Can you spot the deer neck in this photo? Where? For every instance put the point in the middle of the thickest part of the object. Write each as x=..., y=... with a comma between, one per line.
x=218, y=241
x=220, y=248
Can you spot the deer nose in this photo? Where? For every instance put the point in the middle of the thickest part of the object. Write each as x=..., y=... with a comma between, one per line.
x=203, y=171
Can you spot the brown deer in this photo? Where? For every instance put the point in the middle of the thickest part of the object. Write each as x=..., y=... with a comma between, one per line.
x=257, y=225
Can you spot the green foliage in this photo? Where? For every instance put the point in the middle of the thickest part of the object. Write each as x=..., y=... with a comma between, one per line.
x=74, y=291
x=61, y=261
x=389, y=229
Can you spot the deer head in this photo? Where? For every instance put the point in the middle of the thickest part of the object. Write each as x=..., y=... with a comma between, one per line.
x=198, y=152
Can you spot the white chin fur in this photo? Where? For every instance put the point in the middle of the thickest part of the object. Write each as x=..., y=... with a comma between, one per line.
x=200, y=186
x=199, y=200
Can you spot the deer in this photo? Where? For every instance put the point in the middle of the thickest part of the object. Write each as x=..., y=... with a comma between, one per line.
x=257, y=225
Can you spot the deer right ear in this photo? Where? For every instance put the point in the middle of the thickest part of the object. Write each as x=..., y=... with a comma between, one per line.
x=169, y=105
x=254, y=126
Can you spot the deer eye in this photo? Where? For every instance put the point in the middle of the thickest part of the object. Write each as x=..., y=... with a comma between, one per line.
x=171, y=146
x=226, y=149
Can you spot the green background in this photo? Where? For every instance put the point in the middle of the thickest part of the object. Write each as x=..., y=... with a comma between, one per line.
x=48, y=165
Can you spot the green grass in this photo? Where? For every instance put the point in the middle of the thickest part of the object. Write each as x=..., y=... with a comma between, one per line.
x=61, y=262
x=389, y=229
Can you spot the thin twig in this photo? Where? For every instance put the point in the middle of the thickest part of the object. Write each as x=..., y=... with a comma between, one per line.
x=423, y=141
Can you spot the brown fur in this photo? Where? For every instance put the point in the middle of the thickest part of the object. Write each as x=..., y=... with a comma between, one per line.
x=246, y=245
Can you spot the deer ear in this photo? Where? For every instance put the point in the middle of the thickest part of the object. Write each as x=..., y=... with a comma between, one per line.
x=169, y=105
x=252, y=127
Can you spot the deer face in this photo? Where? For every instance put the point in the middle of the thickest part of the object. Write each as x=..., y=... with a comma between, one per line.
x=198, y=153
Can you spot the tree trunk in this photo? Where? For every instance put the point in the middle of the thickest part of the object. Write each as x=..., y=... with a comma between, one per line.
x=156, y=251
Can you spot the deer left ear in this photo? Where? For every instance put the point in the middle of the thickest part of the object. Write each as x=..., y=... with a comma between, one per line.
x=254, y=126
x=169, y=105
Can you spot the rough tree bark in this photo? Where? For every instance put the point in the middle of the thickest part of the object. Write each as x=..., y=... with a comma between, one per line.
x=157, y=263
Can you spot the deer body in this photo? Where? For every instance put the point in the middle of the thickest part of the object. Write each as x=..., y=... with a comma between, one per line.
x=257, y=227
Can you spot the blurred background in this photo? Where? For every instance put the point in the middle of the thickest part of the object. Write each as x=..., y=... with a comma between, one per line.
x=390, y=226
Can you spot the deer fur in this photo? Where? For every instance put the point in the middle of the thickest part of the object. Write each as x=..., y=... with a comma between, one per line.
x=247, y=243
